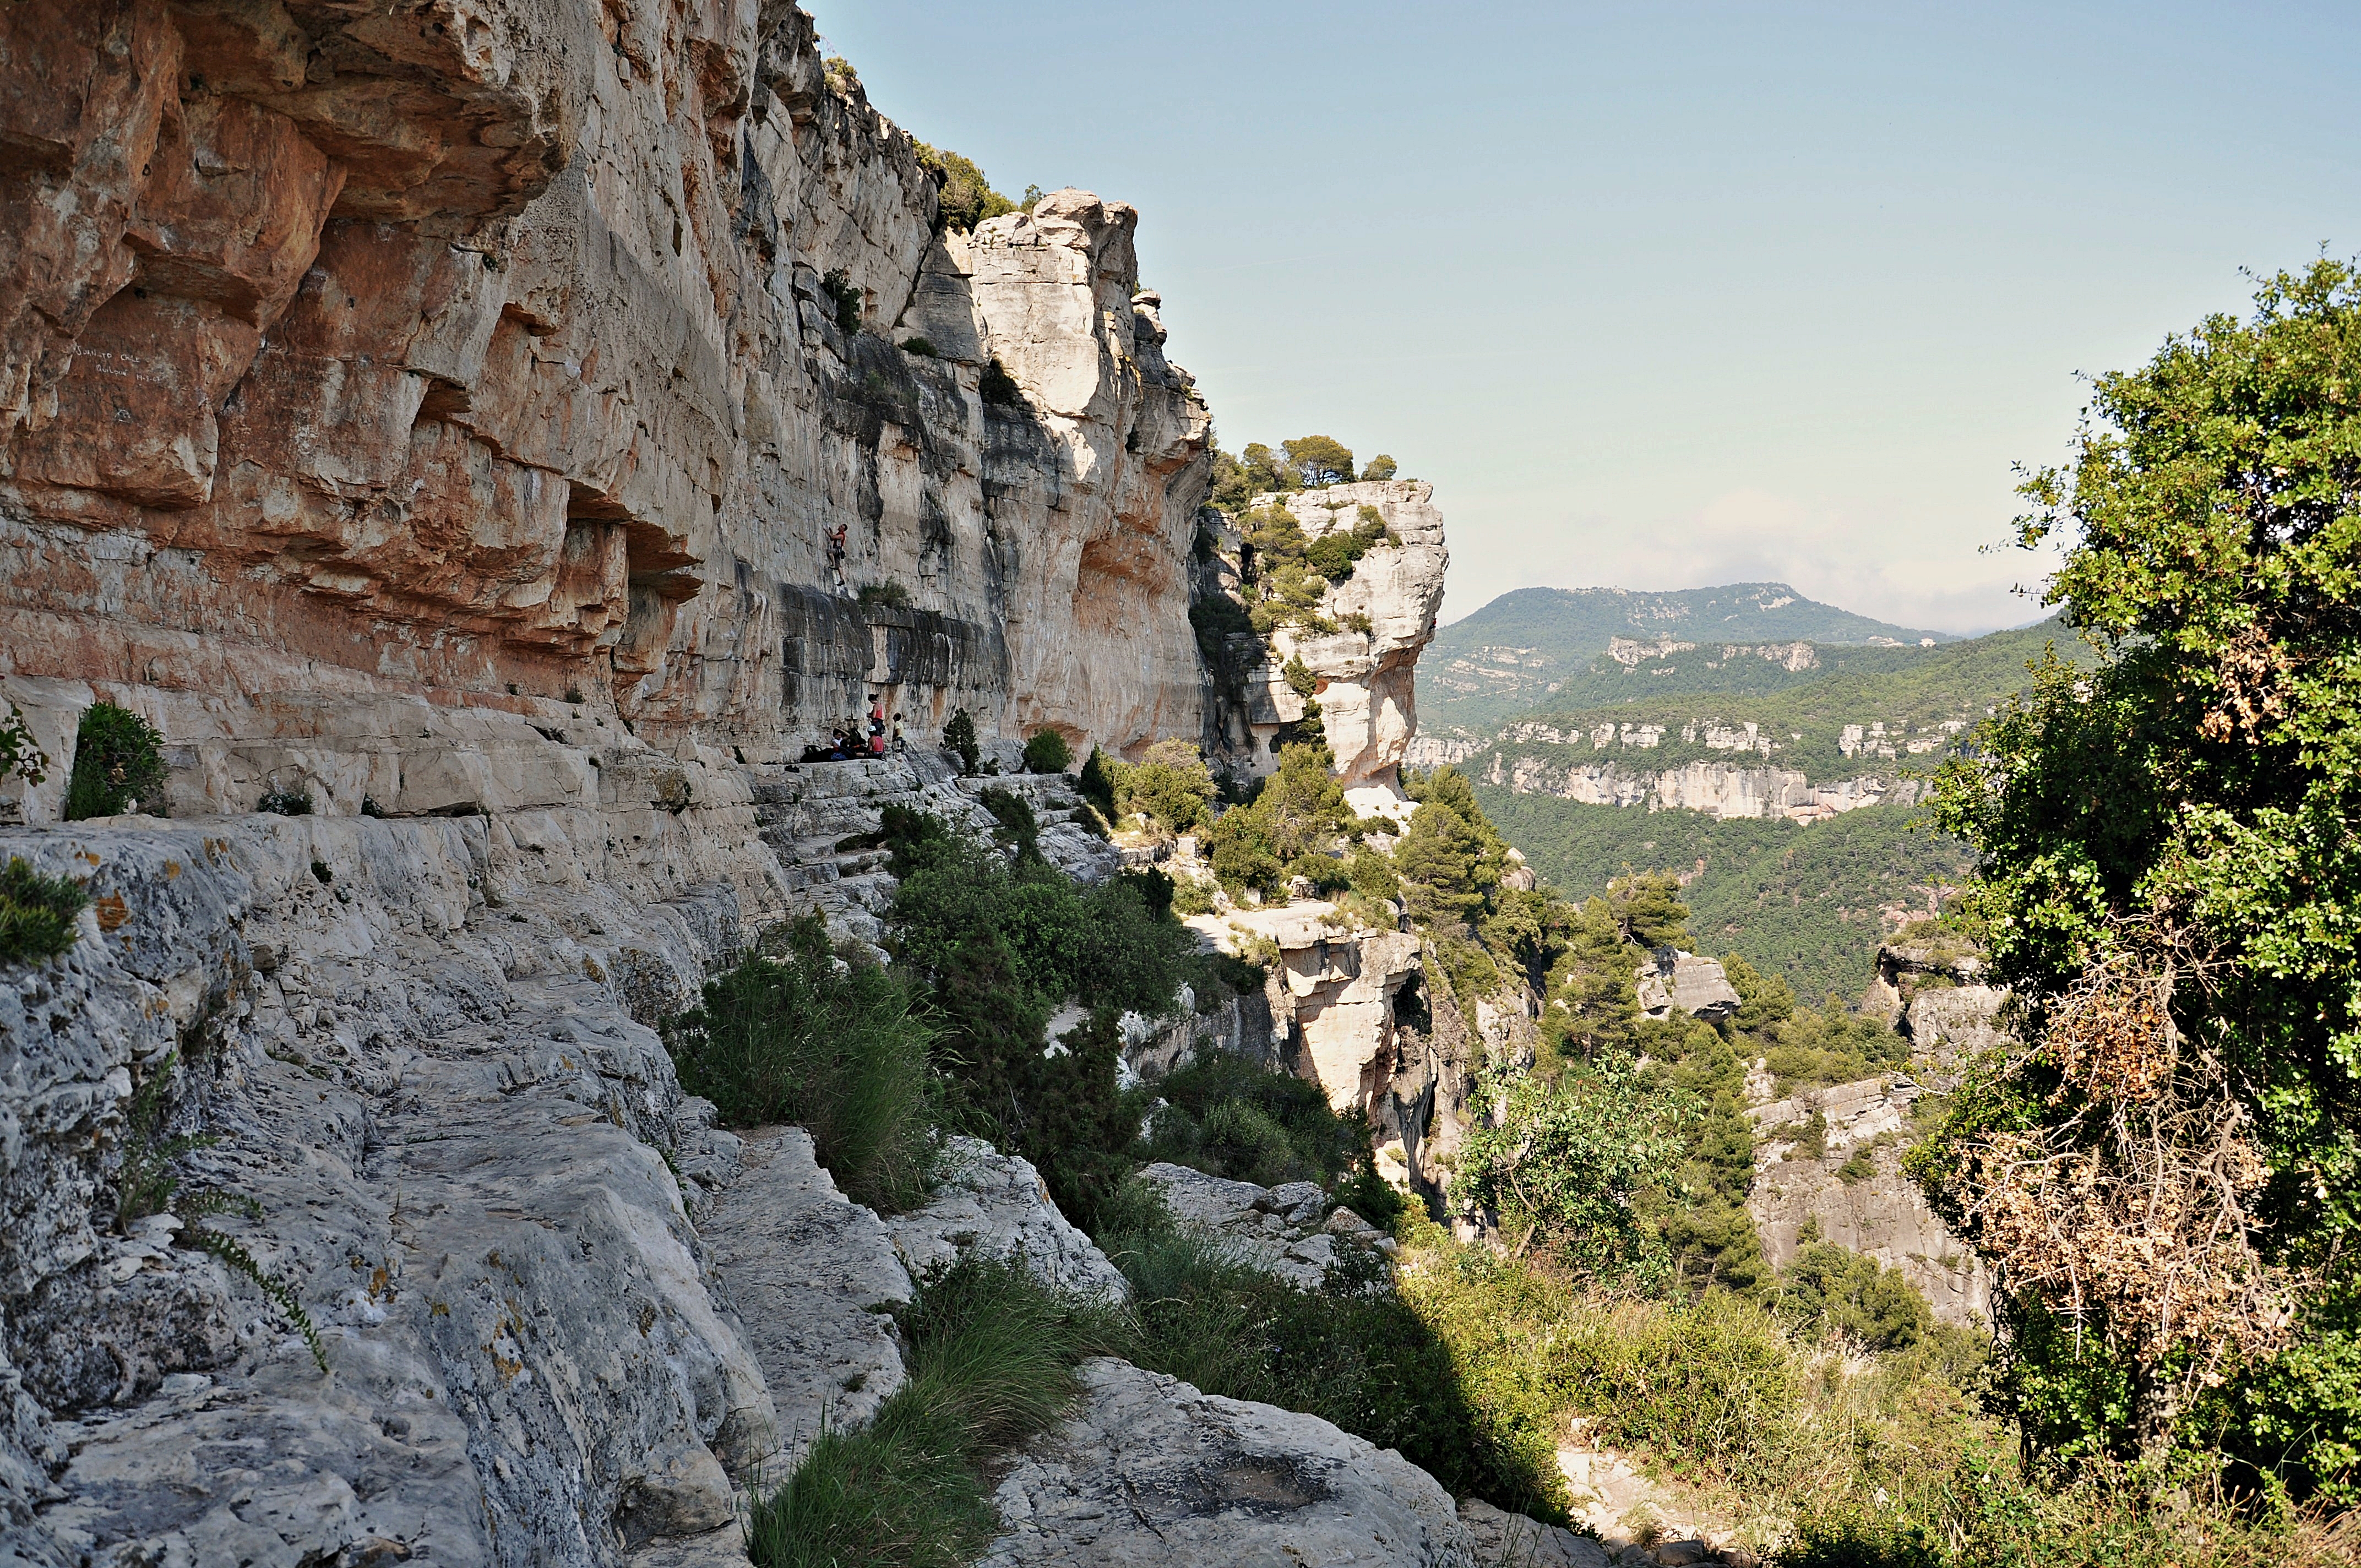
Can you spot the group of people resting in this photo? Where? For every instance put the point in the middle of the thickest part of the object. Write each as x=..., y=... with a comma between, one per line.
x=846, y=741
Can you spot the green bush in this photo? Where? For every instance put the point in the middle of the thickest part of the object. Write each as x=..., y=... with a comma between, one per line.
x=990, y=1364
x=1046, y=751
x=792, y=1038
x=1018, y=825
x=1098, y=780
x=1366, y=1362
x=1835, y=1290
x=1001, y=947
x=1228, y=1117
x=889, y=594
x=118, y=764
x=1171, y=785
x=964, y=197
x=959, y=738
x=37, y=913
x=844, y=300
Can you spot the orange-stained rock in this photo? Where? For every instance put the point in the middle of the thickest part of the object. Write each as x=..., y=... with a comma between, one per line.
x=481, y=348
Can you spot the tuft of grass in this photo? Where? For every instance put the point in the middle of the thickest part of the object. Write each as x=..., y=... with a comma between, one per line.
x=285, y=802
x=1370, y=1363
x=991, y=1364
x=150, y=1183
x=797, y=1036
x=118, y=764
x=37, y=913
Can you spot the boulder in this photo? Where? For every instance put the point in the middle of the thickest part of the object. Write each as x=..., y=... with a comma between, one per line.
x=1149, y=1470
x=1674, y=981
x=993, y=1205
x=1291, y=1230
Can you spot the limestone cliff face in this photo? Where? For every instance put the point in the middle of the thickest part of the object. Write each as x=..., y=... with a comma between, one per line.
x=1363, y=673
x=1718, y=789
x=496, y=356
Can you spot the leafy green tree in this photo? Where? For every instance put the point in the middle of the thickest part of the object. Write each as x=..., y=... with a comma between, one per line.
x=1382, y=466
x=1449, y=857
x=1838, y=1290
x=1171, y=785
x=959, y=738
x=1264, y=470
x=1560, y=1164
x=1046, y=751
x=1318, y=460
x=1648, y=908
x=2172, y=877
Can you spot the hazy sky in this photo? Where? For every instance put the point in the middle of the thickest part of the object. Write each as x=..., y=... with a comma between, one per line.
x=1667, y=295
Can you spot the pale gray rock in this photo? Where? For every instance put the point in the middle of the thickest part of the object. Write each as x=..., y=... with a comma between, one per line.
x=1674, y=981
x=411, y=1040
x=1290, y=1230
x=813, y=1280
x=1150, y=1471
x=994, y=1205
x=1881, y=1214
x=1503, y=1540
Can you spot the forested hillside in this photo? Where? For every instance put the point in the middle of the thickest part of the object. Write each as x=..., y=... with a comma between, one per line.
x=1808, y=903
x=1665, y=710
x=1521, y=649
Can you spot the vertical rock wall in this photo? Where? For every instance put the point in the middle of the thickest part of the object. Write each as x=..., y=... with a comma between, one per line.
x=496, y=354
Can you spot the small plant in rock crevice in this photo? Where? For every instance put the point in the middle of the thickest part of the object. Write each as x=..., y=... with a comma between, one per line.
x=991, y=1364
x=844, y=300
x=959, y=738
x=285, y=802
x=150, y=1183
x=19, y=753
x=37, y=912
x=118, y=764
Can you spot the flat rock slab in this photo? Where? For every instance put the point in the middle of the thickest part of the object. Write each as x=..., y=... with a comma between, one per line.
x=1505, y=1539
x=993, y=1205
x=1150, y=1471
x=813, y=1279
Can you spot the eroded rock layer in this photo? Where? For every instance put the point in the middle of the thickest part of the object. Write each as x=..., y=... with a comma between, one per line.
x=506, y=354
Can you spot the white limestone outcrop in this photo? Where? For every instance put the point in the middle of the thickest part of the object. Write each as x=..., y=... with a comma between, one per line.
x=994, y=1206
x=1363, y=672
x=1671, y=981
x=1718, y=789
x=1149, y=1470
x=1292, y=1230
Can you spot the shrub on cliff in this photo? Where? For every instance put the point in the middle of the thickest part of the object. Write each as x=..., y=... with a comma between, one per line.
x=118, y=765
x=959, y=738
x=964, y=197
x=1171, y=786
x=37, y=913
x=1046, y=751
x=1382, y=466
x=1228, y=1117
x=1000, y=949
x=841, y=1052
x=1832, y=1290
x=990, y=1359
x=1366, y=1362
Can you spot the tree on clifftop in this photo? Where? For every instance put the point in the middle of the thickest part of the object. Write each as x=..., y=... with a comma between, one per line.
x=1319, y=460
x=2168, y=1171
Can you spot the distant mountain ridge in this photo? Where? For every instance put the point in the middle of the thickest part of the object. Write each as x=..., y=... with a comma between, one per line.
x=1515, y=652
